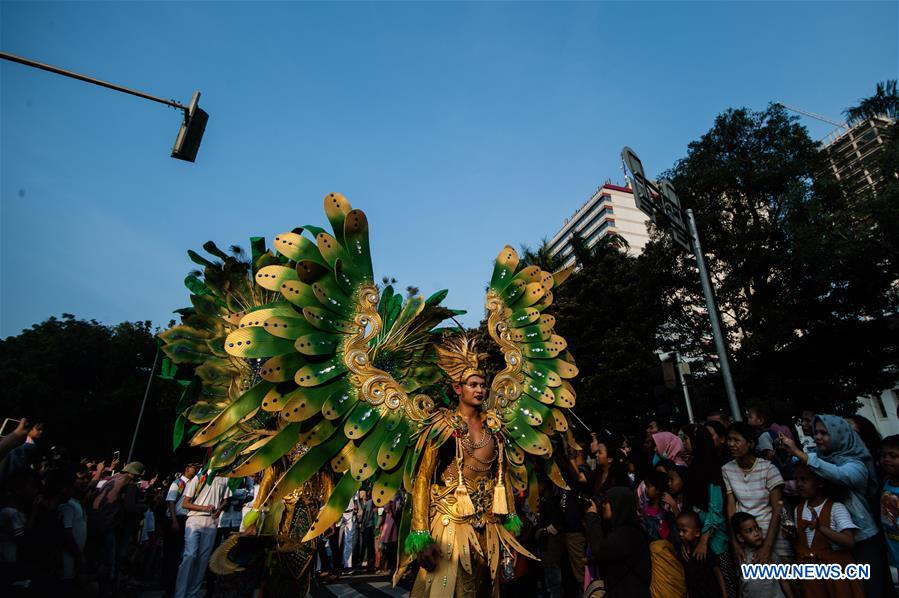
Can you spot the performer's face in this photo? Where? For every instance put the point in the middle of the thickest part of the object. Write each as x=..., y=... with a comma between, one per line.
x=473, y=392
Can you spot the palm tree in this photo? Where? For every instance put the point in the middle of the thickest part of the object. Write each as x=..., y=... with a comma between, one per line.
x=885, y=102
x=540, y=257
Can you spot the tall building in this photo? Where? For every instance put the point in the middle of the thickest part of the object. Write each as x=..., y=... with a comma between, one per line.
x=854, y=154
x=611, y=210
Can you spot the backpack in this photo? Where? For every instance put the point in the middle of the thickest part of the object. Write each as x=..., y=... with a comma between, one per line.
x=107, y=515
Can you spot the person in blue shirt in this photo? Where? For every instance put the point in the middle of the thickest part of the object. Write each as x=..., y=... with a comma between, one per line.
x=889, y=497
x=843, y=458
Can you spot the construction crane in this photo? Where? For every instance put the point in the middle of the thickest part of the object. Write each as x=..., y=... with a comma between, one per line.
x=839, y=125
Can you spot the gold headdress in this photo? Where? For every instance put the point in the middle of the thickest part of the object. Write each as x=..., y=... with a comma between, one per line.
x=458, y=356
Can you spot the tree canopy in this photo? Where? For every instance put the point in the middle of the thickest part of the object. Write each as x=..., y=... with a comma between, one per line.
x=804, y=273
x=86, y=381
x=805, y=277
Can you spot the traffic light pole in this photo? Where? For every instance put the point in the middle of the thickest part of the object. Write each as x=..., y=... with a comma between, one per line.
x=86, y=79
x=192, y=127
x=717, y=330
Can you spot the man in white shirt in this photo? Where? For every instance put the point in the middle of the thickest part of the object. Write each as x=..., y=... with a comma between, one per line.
x=173, y=546
x=204, y=503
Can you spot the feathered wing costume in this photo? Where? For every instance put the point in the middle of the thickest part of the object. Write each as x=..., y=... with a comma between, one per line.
x=322, y=380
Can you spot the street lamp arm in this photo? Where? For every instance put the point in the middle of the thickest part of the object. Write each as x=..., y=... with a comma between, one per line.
x=86, y=79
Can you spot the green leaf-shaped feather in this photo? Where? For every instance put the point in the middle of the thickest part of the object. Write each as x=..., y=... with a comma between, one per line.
x=282, y=368
x=332, y=298
x=362, y=419
x=225, y=453
x=530, y=440
x=503, y=269
x=304, y=468
x=274, y=449
x=272, y=277
x=395, y=441
x=564, y=395
x=364, y=462
x=315, y=374
x=386, y=485
x=534, y=412
x=298, y=248
x=255, y=343
x=328, y=321
x=236, y=411
x=530, y=334
x=305, y=403
x=523, y=317
x=330, y=248
x=336, y=209
x=288, y=327
x=542, y=373
x=298, y=293
x=355, y=244
x=340, y=403
x=317, y=432
x=333, y=509
x=538, y=389
x=319, y=343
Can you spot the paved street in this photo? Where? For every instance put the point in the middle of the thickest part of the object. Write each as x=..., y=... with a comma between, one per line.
x=361, y=585
x=349, y=586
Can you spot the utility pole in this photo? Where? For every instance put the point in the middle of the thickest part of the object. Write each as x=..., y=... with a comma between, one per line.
x=187, y=143
x=660, y=202
x=143, y=405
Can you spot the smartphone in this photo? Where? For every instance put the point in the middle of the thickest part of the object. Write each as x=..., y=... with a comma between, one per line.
x=116, y=455
x=9, y=424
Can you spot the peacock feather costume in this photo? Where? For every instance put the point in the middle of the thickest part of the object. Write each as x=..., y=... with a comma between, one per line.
x=309, y=372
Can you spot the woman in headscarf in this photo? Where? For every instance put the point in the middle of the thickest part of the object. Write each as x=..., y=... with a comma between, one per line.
x=618, y=545
x=843, y=458
x=668, y=446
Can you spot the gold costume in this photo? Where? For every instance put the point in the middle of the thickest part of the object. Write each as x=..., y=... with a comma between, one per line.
x=463, y=515
x=472, y=540
x=303, y=367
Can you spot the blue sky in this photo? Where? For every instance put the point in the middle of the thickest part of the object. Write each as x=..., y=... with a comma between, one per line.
x=457, y=127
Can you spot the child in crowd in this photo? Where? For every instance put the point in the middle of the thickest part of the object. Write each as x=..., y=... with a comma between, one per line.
x=677, y=482
x=702, y=580
x=656, y=516
x=759, y=417
x=889, y=498
x=825, y=534
x=748, y=533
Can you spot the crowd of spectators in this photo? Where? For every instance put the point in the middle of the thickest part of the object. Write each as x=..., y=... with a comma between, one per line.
x=80, y=527
x=674, y=513
x=364, y=540
x=681, y=514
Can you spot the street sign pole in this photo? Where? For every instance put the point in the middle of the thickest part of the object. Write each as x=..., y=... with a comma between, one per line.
x=659, y=201
x=717, y=331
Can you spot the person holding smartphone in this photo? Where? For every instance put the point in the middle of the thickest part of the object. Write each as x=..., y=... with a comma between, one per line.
x=204, y=501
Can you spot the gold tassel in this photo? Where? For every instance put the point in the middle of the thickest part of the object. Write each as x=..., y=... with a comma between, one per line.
x=500, y=504
x=464, y=506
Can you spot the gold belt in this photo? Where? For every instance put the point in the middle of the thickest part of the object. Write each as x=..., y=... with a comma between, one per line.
x=480, y=491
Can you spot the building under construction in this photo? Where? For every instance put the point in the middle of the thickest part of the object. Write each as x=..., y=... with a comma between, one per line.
x=854, y=155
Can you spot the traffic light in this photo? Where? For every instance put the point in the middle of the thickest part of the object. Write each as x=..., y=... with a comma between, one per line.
x=191, y=132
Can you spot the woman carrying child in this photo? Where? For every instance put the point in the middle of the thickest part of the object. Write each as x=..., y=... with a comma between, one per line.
x=705, y=495
x=754, y=486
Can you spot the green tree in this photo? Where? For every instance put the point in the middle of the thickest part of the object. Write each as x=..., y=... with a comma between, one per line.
x=541, y=256
x=87, y=380
x=804, y=276
x=884, y=102
x=610, y=311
